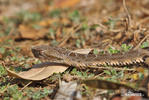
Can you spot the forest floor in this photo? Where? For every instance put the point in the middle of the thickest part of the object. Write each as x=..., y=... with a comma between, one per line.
x=106, y=25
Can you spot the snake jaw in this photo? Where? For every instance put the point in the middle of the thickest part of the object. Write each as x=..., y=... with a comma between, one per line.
x=44, y=52
x=38, y=52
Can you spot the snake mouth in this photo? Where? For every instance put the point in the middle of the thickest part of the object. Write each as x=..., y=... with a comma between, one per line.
x=43, y=56
x=36, y=53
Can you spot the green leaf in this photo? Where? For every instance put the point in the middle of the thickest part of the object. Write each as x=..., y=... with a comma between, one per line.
x=85, y=26
x=107, y=72
x=94, y=26
x=2, y=50
x=95, y=51
x=74, y=16
x=2, y=71
x=78, y=43
x=112, y=51
x=55, y=13
x=145, y=44
x=14, y=92
x=113, y=72
x=125, y=47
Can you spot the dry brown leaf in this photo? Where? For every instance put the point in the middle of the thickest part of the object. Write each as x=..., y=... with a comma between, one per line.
x=12, y=8
x=39, y=71
x=134, y=76
x=31, y=33
x=140, y=69
x=1, y=55
x=67, y=91
x=47, y=22
x=66, y=3
x=83, y=51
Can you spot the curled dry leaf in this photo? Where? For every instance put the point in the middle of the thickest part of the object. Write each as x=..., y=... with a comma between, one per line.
x=31, y=33
x=39, y=71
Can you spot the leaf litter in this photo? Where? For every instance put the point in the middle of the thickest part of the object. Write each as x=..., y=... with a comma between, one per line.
x=102, y=25
x=39, y=71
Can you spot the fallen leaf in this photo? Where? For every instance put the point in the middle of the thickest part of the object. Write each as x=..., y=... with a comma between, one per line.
x=135, y=98
x=39, y=71
x=1, y=56
x=47, y=22
x=31, y=33
x=12, y=9
x=67, y=91
x=140, y=69
x=83, y=51
x=66, y=3
x=117, y=97
x=135, y=76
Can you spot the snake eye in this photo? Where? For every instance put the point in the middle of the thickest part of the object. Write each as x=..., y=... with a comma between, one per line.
x=36, y=53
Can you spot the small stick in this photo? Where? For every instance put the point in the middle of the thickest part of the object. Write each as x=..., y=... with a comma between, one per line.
x=141, y=42
x=26, y=85
x=128, y=14
x=69, y=34
x=109, y=68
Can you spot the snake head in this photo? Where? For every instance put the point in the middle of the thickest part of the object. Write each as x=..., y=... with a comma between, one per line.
x=38, y=51
x=46, y=52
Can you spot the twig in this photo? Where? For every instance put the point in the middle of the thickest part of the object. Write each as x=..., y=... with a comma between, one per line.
x=109, y=68
x=68, y=35
x=26, y=85
x=141, y=42
x=128, y=14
